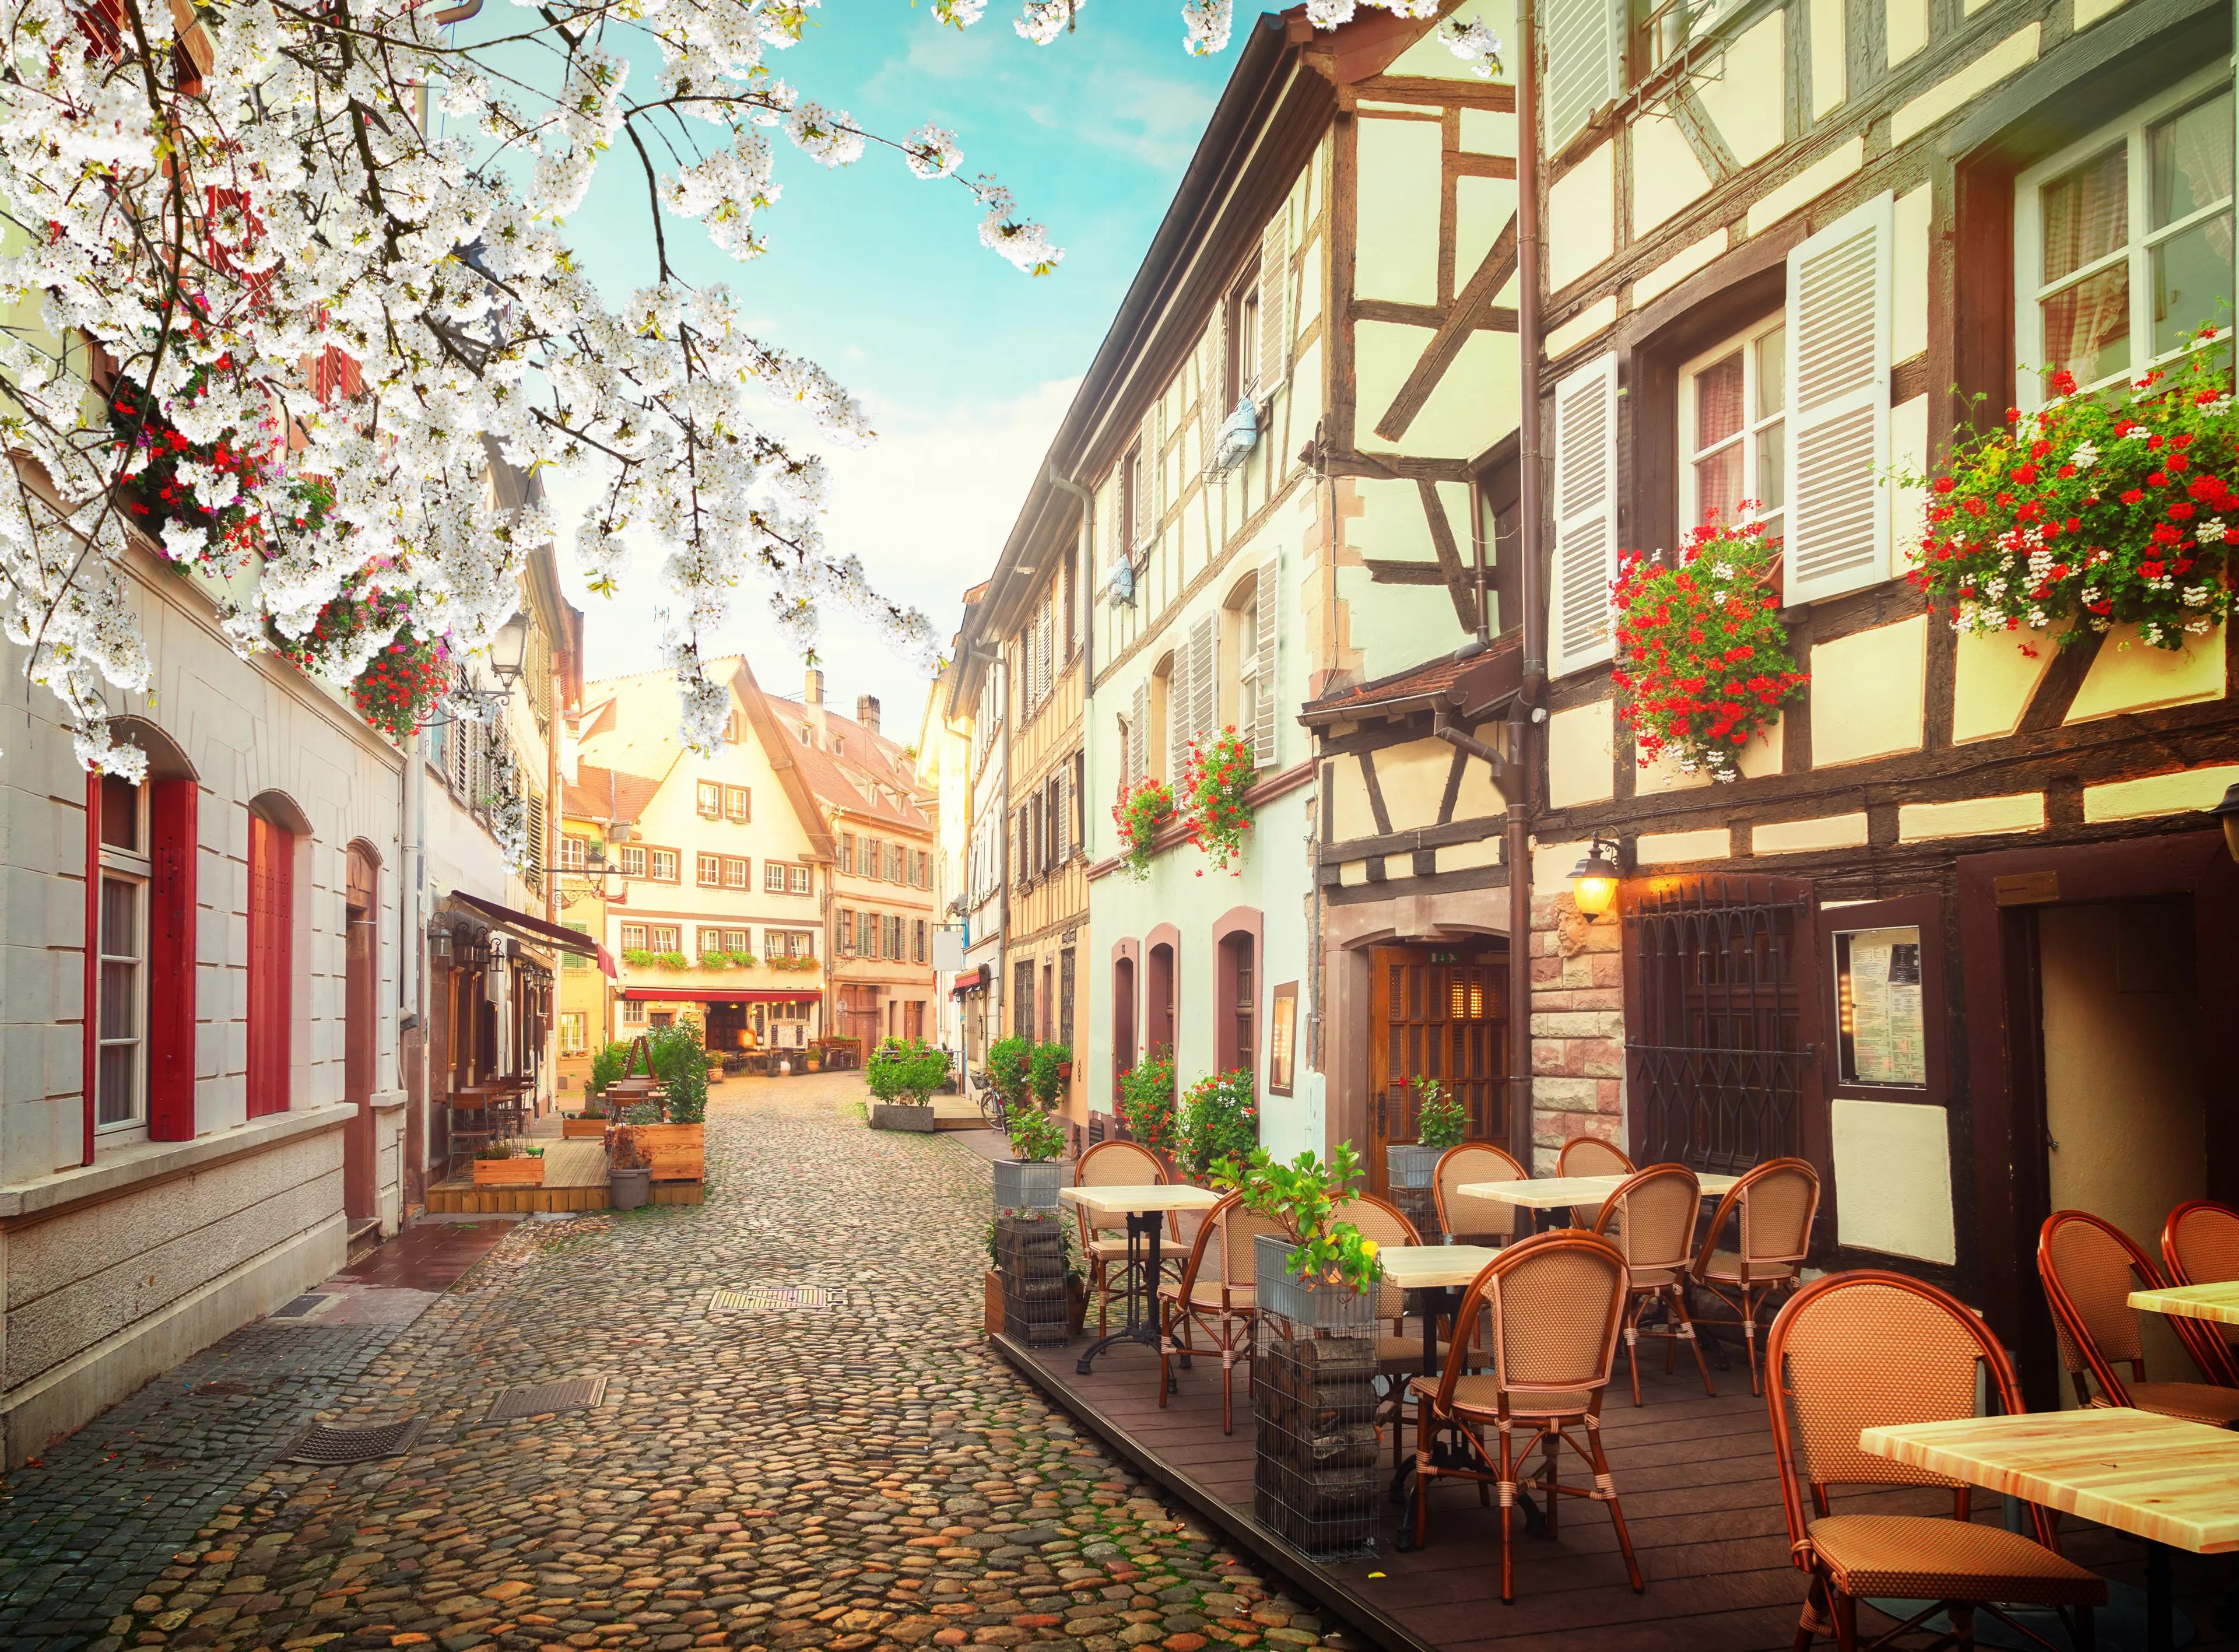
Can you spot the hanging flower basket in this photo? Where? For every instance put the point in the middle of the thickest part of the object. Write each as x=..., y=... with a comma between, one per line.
x=1147, y=805
x=1702, y=657
x=2099, y=511
x=397, y=691
x=1215, y=777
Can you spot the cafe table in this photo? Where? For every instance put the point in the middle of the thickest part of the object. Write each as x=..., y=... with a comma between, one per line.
x=2218, y=1300
x=1544, y=1196
x=2174, y=1483
x=1145, y=1209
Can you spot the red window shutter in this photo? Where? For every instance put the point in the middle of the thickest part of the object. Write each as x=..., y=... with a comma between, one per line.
x=271, y=904
x=172, y=811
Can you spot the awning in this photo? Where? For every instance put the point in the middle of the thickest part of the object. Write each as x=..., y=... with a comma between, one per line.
x=970, y=981
x=536, y=929
x=717, y=995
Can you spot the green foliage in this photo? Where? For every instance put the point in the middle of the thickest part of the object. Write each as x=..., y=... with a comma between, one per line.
x=906, y=1072
x=606, y=1066
x=1147, y=1102
x=1218, y=1125
x=644, y=1113
x=1042, y=1072
x=1148, y=805
x=639, y=958
x=1299, y=1198
x=1440, y=1123
x=1008, y=1060
x=679, y=1062
x=1036, y=1137
x=716, y=958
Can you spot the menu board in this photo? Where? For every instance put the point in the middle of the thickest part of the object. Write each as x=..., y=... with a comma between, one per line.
x=1885, y=1037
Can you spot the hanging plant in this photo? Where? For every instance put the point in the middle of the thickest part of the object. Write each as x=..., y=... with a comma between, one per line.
x=1215, y=777
x=190, y=498
x=2099, y=511
x=398, y=689
x=1702, y=657
x=1146, y=806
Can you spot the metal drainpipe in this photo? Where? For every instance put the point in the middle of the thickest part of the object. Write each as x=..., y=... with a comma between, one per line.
x=1529, y=708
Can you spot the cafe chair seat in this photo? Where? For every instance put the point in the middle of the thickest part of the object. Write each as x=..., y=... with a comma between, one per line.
x=1919, y=1557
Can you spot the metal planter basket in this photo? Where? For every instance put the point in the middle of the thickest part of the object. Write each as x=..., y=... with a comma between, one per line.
x=1030, y=1260
x=1411, y=1165
x=1315, y=1480
x=1021, y=1185
x=1309, y=1311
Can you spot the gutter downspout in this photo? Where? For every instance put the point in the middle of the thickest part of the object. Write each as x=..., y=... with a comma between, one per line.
x=1002, y=936
x=1528, y=710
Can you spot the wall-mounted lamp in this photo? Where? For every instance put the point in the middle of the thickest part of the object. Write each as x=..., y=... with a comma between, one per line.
x=2227, y=814
x=1594, y=880
x=509, y=649
x=439, y=943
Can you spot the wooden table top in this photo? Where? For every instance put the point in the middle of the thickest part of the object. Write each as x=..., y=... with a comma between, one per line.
x=2218, y=1300
x=2156, y=1477
x=1120, y=1200
x=1553, y=1192
x=1428, y=1267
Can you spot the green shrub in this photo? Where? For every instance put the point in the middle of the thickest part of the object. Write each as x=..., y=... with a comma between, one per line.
x=679, y=1062
x=1218, y=1124
x=606, y=1066
x=1147, y=1102
x=1036, y=1137
x=906, y=1072
x=1300, y=1197
x=1440, y=1122
x=1042, y=1072
x=1008, y=1060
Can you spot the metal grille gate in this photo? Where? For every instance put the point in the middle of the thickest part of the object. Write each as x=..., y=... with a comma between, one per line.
x=1720, y=1038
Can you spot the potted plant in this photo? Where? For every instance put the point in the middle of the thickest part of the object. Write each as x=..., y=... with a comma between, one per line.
x=1047, y=1072
x=504, y=1164
x=1217, y=1125
x=629, y=1179
x=1147, y=806
x=1215, y=777
x=1439, y=1124
x=1319, y=1274
x=1146, y=1103
x=902, y=1074
x=1030, y=1178
x=673, y=1145
x=1008, y=1063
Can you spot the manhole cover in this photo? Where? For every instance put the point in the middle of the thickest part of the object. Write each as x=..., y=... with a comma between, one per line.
x=774, y=1298
x=302, y=1307
x=323, y=1443
x=577, y=1394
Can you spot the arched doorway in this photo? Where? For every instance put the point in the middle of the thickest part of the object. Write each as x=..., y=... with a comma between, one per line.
x=360, y=973
x=1438, y=1012
x=1158, y=998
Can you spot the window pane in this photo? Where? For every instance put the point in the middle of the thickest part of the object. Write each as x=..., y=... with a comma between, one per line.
x=1718, y=483
x=2192, y=281
x=2087, y=213
x=1717, y=402
x=1771, y=492
x=1771, y=372
x=120, y=907
x=117, y=1091
x=2190, y=161
x=120, y=1008
x=2087, y=329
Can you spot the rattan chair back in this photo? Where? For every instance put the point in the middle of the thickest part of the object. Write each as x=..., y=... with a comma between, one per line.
x=1773, y=1206
x=1116, y=1164
x=1233, y=1245
x=1651, y=1216
x=2089, y=1266
x=1553, y=1305
x=1590, y=1155
x=1865, y=1350
x=1386, y=1225
x=2200, y=1246
x=1462, y=1216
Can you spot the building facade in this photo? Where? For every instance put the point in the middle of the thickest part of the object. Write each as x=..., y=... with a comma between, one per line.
x=943, y=772
x=977, y=697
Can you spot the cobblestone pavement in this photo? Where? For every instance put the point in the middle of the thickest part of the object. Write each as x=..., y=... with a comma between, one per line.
x=864, y=1475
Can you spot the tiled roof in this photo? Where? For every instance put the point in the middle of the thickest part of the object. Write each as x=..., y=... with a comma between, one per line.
x=1477, y=681
x=859, y=780
x=606, y=793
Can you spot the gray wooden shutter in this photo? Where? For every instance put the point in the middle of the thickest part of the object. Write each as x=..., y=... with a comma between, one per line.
x=1838, y=399
x=1274, y=294
x=1585, y=63
x=1178, y=712
x=1138, y=735
x=1265, y=727
x=1205, y=643
x=1586, y=514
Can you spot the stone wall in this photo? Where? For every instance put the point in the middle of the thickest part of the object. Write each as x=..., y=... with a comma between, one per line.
x=1577, y=1028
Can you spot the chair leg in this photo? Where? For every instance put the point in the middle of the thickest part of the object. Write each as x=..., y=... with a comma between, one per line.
x=1685, y=1330
x=1748, y=1339
x=1507, y=1516
x=2085, y=1634
x=1962, y=1624
x=1633, y=1343
x=1551, y=1442
x=1812, y=1621
x=1422, y=1471
x=1166, y=1340
x=1608, y=1487
x=1227, y=1370
x=1846, y=1621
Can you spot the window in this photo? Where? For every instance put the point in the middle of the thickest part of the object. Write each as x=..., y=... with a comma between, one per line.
x=772, y=878
x=711, y=870
x=663, y=1018
x=788, y=943
x=917, y=952
x=660, y=864
x=846, y=932
x=575, y=1032
x=738, y=803
x=271, y=973
x=1022, y=999
x=847, y=853
x=866, y=933
x=711, y=940
x=1065, y=982
x=874, y=855
x=711, y=799
x=633, y=860
x=633, y=1013
x=1730, y=428
x=892, y=939
x=574, y=852
x=664, y=937
x=1243, y=303
x=2122, y=242
x=576, y=960
x=736, y=872
x=839, y=746
x=800, y=880
x=120, y=1090
x=1134, y=510
x=738, y=940
x=634, y=937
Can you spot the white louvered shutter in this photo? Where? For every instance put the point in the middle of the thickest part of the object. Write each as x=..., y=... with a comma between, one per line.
x=1838, y=402
x=1138, y=734
x=1274, y=295
x=1177, y=713
x=1264, y=726
x=1586, y=514
x=1212, y=385
x=1585, y=63
x=1146, y=490
x=1205, y=715
x=1064, y=813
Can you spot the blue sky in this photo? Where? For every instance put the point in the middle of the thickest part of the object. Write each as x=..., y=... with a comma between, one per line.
x=964, y=364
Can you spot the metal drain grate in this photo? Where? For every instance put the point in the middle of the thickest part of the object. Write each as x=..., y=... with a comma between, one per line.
x=302, y=1307
x=324, y=1444
x=776, y=1298
x=577, y=1394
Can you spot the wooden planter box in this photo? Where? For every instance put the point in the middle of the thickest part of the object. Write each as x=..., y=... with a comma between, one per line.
x=573, y=1129
x=675, y=1152
x=509, y=1173
x=993, y=1321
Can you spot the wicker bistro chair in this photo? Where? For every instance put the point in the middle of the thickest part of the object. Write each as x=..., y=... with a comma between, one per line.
x=1590, y=1155
x=1875, y=1350
x=2200, y=1244
x=1214, y=1295
x=1474, y=1220
x=1118, y=1164
x=1398, y=1354
x=2090, y=1268
x=1773, y=1206
x=1556, y=1301
x=1650, y=1218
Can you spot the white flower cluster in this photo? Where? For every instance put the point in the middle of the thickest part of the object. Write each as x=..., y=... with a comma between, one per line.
x=1473, y=42
x=1205, y=25
x=505, y=807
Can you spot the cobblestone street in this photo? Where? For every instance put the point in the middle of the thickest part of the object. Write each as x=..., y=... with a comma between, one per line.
x=860, y=1476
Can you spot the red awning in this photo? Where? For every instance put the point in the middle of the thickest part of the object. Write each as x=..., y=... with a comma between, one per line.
x=536, y=929
x=970, y=981
x=717, y=995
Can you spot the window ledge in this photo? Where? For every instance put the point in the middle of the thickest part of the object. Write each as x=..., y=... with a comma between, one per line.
x=146, y=1162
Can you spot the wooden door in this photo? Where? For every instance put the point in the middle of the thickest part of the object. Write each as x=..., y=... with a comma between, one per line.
x=360, y=1007
x=1441, y=1013
x=271, y=935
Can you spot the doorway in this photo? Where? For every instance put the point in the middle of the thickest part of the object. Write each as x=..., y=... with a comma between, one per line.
x=361, y=957
x=1436, y=1013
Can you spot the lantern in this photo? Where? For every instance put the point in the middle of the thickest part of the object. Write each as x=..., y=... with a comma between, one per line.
x=1594, y=880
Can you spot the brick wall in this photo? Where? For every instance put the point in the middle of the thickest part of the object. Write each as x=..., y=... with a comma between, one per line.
x=1577, y=1029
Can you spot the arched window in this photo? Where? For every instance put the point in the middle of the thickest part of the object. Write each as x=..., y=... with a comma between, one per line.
x=1123, y=1015
x=271, y=952
x=1236, y=1005
x=1158, y=998
x=1239, y=657
x=142, y=968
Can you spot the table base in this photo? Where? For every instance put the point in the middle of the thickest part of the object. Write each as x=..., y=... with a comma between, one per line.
x=1144, y=1229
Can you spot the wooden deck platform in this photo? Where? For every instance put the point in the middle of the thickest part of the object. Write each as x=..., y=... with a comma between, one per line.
x=1696, y=1478
x=575, y=1179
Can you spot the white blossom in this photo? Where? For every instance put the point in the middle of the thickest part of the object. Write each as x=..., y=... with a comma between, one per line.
x=1474, y=42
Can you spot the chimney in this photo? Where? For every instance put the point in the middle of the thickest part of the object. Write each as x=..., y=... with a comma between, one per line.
x=813, y=693
x=866, y=712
